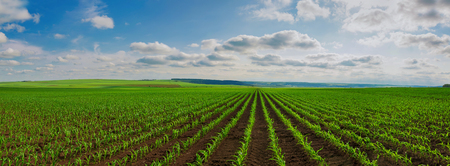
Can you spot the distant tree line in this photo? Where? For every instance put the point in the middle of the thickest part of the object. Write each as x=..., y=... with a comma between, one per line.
x=446, y=86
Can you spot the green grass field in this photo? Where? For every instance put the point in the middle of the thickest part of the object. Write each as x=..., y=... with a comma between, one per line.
x=105, y=83
x=117, y=122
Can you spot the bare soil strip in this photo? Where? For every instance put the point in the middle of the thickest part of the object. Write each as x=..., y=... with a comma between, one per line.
x=258, y=151
x=228, y=147
x=293, y=154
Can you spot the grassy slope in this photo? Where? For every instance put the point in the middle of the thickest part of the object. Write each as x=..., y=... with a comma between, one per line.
x=104, y=83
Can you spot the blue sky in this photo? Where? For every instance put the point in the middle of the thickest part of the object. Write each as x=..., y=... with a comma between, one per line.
x=349, y=41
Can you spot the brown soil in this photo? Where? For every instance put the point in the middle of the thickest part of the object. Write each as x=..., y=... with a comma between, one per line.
x=258, y=152
x=189, y=155
x=293, y=154
x=228, y=147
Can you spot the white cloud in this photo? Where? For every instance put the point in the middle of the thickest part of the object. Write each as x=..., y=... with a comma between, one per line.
x=105, y=59
x=61, y=59
x=67, y=58
x=101, y=22
x=209, y=44
x=423, y=41
x=152, y=48
x=416, y=64
x=276, y=60
x=220, y=57
x=328, y=56
x=76, y=39
x=308, y=10
x=272, y=10
x=14, y=10
x=3, y=38
x=34, y=58
x=153, y=60
x=276, y=41
x=374, y=41
x=13, y=26
x=118, y=38
x=183, y=56
x=10, y=53
x=385, y=16
x=26, y=63
x=49, y=65
x=194, y=45
x=71, y=57
x=59, y=36
x=431, y=42
x=43, y=68
x=9, y=63
x=94, y=13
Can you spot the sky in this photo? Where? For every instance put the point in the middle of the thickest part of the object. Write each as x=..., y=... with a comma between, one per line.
x=403, y=42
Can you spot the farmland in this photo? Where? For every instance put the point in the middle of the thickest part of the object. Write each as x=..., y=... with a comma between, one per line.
x=224, y=126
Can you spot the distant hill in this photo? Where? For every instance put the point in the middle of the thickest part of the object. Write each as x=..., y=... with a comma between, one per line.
x=285, y=84
x=213, y=82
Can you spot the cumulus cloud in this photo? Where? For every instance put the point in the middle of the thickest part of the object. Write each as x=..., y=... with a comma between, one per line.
x=9, y=63
x=26, y=63
x=153, y=60
x=43, y=68
x=3, y=38
x=431, y=42
x=276, y=60
x=406, y=15
x=327, y=56
x=277, y=41
x=209, y=44
x=59, y=36
x=49, y=65
x=194, y=45
x=14, y=26
x=219, y=57
x=34, y=58
x=374, y=41
x=181, y=56
x=94, y=13
x=104, y=59
x=14, y=10
x=273, y=10
x=416, y=64
x=424, y=41
x=308, y=10
x=101, y=22
x=208, y=63
x=67, y=58
x=152, y=48
x=9, y=53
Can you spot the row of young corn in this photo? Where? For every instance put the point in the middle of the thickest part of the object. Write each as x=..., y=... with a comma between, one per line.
x=354, y=152
x=202, y=156
x=49, y=153
x=63, y=131
x=384, y=137
x=402, y=114
x=241, y=154
x=181, y=146
x=301, y=139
